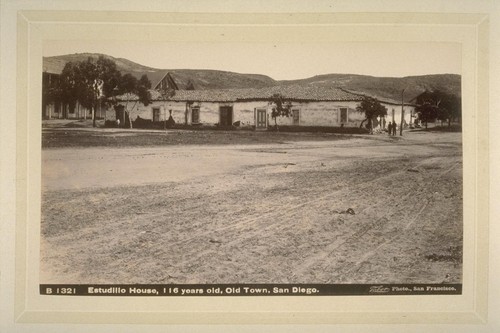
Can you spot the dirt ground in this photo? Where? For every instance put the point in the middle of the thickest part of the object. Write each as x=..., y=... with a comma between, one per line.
x=364, y=209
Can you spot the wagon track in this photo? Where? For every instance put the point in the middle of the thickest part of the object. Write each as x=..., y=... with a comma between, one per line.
x=245, y=224
x=343, y=270
x=354, y=237
x=257, y=222
x=247, y=229
x=352, y=267
x=346, y=269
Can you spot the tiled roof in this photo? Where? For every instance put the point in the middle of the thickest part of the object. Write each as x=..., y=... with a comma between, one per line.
x=292, y=92
x=155, y=96
x=384, y=100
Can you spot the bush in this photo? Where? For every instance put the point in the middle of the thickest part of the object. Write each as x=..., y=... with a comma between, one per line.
x=110, y=123
x=445, y=128
x=147, y=123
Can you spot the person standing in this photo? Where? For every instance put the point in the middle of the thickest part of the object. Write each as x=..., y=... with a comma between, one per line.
x=389, y=128
x=394, y=128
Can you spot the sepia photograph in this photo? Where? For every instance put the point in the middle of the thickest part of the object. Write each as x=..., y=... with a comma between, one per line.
x=251, y=168
x=267, y=166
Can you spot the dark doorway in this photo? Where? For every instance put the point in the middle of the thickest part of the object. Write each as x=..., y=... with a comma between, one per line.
x=226, y=115
x=343, y=115
x=156, y=114
x=122, y=115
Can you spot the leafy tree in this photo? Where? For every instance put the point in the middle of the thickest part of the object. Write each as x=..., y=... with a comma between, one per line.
x=372, y=108
x=438, y=105
x=442, y=114
x=455, y=109
x=449, y=107
x=142, y=89
x=280, y=108
x=95, y=83
x=50, y=90
x=89, y=83
x=67, y=90
x=109, y=74
x=129, y=84
x=427, y=112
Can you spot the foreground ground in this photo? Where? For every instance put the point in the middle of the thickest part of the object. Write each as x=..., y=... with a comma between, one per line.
x=324, y=209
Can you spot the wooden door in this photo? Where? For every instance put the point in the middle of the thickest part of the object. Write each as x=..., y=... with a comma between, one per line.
x=226, y=115
x=261, y=119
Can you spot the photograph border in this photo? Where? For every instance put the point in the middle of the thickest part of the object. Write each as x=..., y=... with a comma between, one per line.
x=31, y=26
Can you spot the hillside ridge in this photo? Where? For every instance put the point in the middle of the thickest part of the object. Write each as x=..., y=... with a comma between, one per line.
x=206, y=79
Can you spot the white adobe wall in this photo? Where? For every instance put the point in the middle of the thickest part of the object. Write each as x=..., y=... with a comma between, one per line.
x=245, y=112
x=139, y=110
x=181, y=111
x=310, y=113
x=209, y=112
x=397, y=113
x=146, y=112
x=409, y=110
x=322, y=114
x=110, y=114
x=176, y=109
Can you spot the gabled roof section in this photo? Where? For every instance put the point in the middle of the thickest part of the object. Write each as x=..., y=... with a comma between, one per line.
x=166, y=82
x=425, y=93
x=155, y=96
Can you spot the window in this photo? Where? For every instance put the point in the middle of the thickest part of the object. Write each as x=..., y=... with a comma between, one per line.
x=156, y=114
x=195, y=115
x=296, y=116
x=343, y=115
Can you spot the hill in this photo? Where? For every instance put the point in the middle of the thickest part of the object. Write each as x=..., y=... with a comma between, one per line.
x=380, y=87
x=386, y=87
x=202, y=79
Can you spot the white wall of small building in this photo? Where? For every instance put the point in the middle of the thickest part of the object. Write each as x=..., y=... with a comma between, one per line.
x=181, y=112
x=326, y=113
x=178, y=110
x=175, y=109
x=394, y=113
x=244, y=112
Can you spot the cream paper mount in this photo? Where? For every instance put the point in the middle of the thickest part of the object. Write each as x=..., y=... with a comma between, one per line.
x=469, y=30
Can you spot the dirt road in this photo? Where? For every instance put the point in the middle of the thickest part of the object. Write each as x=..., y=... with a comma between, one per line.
x=264, y=213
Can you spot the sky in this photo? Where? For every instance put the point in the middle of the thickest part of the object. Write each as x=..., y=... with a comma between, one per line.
x=280, y=61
